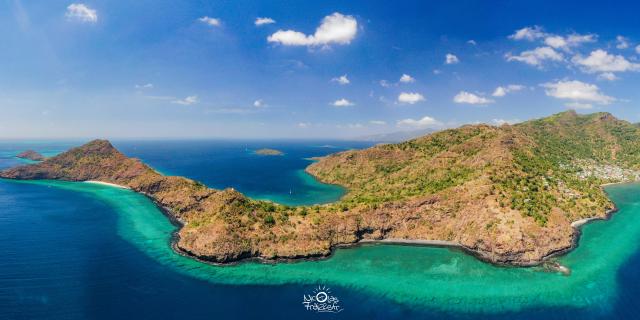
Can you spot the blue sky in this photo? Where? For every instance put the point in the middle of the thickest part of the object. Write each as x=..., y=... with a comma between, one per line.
x=323, y=69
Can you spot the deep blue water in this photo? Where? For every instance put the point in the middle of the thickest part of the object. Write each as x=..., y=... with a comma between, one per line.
x=61, y=256
x=222, y=164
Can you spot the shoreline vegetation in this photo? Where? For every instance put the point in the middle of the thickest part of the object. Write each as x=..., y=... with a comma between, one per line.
x=495, y=192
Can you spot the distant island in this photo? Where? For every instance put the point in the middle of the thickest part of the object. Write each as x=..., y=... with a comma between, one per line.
x=268, y=152
x=31, y=155
x=511, y=195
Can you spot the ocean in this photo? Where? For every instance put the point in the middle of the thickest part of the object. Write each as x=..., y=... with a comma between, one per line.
x=85, y=251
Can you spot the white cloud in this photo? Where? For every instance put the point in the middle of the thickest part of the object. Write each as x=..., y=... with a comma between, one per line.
x=565, y=43
x=470, y=98
x=622, y=42
x=472, y=42
x=436, y=71
x=601, y=61
x=499, y=122
x=263, y=21
x=536, y=56
x=576, y=91
x=210, y=21
x=342, y=103
x=335, y=28
x=502, y=91
x=528, y=33
x=259, y=103
x=144, y=86
x=303, y=124
x=577, y=39
x=578, y=105
x=80, y=12
x=341, y=80
x=555, y=42
x=407, y=78
x=187, y=101
x=638, y=49
x=378, y=122
x=410, y=97
x=385, y=83
x=425, y=122
x=609, y=76
x=451, y=59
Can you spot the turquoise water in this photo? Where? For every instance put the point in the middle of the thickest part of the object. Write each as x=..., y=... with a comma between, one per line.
x=376, y=281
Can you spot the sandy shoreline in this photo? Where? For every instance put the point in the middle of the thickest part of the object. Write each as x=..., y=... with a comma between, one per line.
x=107, y=184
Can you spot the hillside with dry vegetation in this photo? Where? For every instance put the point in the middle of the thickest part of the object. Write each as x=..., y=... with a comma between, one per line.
x=508, y=194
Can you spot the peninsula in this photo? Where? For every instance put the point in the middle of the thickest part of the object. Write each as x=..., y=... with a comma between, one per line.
x=30, y=155
x=507, y=194
x=269, y=152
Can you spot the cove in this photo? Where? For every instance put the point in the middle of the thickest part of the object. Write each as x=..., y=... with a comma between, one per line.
x=439, y=280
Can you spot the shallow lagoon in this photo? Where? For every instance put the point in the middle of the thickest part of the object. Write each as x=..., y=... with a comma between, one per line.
x=384, y=281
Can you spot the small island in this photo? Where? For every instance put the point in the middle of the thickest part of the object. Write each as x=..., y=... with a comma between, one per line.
x=269, y=152
x=30, y=155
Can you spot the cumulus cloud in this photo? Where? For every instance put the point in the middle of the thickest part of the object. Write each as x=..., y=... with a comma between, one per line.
x=502, y=91
x=601, y=61
x=622, y=42
x=263, y=21
x=335, y=28
x=342, y=103
x=410, y=97
x=378, y=122
x=472, y=42
x=407, y=78
x=187, y=101
x=552, y=40
x=576, y=91
x=451, y=59
x=425, y=122
x=528, y=33
x=214, y=22
x=80, y=12
x=259, y=103
x=566, y=43
x=341, y=80
x=385, y=83
x=536, y=56
x=470, y=98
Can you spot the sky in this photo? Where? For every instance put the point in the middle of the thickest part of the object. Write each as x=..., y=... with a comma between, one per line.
x=302, y=69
